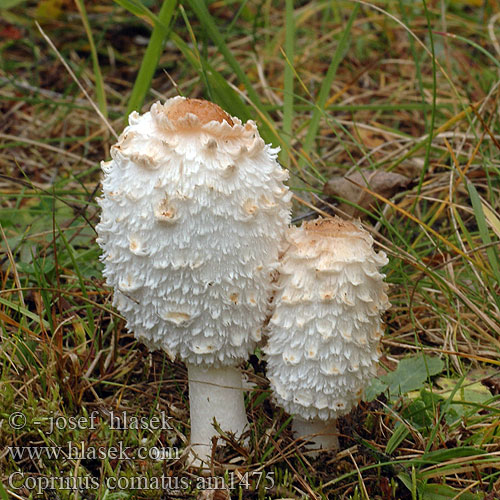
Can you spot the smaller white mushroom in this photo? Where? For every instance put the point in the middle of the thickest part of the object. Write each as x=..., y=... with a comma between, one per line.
x=325, y=330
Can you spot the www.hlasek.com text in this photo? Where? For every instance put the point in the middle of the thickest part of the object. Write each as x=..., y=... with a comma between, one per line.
x=83, y=451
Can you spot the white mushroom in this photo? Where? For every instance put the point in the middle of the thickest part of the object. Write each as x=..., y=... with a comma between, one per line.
x=193, y=212
x=325, y=330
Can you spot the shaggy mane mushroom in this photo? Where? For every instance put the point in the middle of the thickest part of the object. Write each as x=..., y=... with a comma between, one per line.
x=194, y=210
x=324, y=333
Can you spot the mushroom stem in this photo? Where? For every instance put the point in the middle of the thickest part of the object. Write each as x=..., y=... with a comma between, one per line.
x=320, y=434
x=214, y=393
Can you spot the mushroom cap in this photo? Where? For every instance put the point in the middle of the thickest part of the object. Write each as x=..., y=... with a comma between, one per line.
x=206, y=111
x=325, y=330
x=194, y=210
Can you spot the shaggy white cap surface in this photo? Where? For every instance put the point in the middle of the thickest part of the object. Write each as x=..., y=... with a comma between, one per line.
x=324, y=333
x=194, y=210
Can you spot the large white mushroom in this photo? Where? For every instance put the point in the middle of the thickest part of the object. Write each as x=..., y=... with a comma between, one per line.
x=325, y=330
x=194, y=210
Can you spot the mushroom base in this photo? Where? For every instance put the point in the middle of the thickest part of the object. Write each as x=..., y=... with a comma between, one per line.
x=214, y=393
x=319, y=434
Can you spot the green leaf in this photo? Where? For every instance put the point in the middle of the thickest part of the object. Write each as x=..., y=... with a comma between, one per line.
x=471, y=391
x=375, y=388
x=411, y=374
x=419, y=412
x=436, y=491
x=43, y=266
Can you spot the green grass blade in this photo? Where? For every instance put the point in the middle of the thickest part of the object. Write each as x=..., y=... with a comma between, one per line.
x=201, y=11
x=133, y=8
x=473, y=44
x=227, y=98
x=414, y=54
x=151, y=57
x=267, y=128
x=217, y=87
x=223, y=93
x=99, y=84
x=196, y=51
x=434, y=99
x=482, y=225
x=139, y=10
x=443, y=409
x=3, y=493
x=268, y=131
x=25, y=312
x=289, y=73
x=327, y=85
x=241, y=10
x=399, y=434
x=81, y=280
x=41, y=279
x=272, y=446
x=492, y=219
x=187, y=52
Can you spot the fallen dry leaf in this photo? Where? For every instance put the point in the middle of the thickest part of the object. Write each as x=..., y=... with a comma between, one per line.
x=386, y=184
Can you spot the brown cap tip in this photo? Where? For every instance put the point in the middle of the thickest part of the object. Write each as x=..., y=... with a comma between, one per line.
x=206, y=111
x=330, y=227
